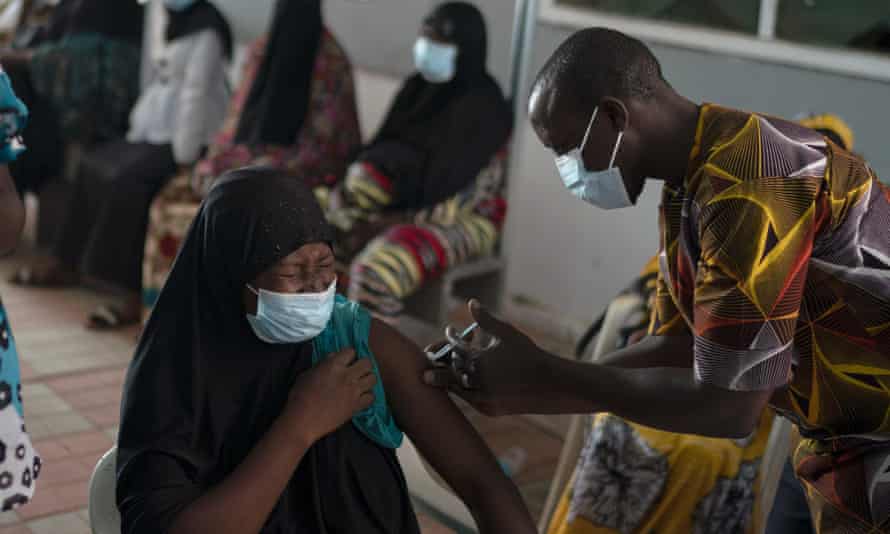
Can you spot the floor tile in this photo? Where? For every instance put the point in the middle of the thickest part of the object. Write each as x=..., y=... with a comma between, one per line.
x=112, y=432
x=69, y=523
x=92, y=398
x=89, y=442
x=63, y=471
x=59, y=499
x=44, y=405
x=56, y=425
x=103, y=416
x=50, y=449
x=15, y=529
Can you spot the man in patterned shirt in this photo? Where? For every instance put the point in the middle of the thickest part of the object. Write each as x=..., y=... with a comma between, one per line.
x=773, y=285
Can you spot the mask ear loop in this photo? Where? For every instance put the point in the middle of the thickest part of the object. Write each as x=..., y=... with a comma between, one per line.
x=587, y=131
x=252, y=290
x=615, y=150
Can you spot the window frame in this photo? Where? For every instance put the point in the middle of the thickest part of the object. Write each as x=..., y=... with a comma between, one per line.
x=761, y=47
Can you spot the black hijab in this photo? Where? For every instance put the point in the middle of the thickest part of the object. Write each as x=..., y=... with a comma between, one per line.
x=201, y=15
x=116, y=19
x=202, y=389
x=438, y=136
x=279, y=98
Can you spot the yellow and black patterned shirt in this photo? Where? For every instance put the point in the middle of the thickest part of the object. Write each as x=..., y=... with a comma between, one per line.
x=775, y=254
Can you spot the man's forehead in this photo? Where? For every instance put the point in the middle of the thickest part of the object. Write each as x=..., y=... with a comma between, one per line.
x=542, y=101
x=555, y=116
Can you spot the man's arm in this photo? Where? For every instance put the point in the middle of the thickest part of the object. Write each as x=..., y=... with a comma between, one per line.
x=660, y=397
x=517, y=376
x=670, y=351
x=445, y=437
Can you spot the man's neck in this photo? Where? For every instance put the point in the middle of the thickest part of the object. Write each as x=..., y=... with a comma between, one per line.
x=673, y=130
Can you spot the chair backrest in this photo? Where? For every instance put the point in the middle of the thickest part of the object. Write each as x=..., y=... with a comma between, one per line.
x=778, y=448
x=618, y=312
x=104, y=517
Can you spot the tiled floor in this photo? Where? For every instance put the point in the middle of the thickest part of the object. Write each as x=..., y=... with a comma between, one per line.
x=72, y=387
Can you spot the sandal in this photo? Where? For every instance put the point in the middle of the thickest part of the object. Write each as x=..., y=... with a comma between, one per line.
x=108, y=317
x=54, y=277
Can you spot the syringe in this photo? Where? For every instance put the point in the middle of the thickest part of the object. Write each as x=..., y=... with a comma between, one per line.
x=439, y=354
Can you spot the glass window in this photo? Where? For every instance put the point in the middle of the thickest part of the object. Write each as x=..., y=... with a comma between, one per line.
x=863, y=24
x=732, y=15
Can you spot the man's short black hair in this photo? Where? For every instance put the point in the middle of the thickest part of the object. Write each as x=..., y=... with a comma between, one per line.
x=598, y=62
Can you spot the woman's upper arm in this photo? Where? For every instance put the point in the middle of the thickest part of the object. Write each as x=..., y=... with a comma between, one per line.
x=435, y=425
x=152, y=490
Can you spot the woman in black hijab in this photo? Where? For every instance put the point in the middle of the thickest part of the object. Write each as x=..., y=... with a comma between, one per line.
x=441, y=130
x=223, y=432
x=446, y=125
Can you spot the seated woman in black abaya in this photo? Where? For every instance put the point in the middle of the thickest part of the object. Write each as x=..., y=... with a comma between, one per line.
x=260, y=401
x=425, y=195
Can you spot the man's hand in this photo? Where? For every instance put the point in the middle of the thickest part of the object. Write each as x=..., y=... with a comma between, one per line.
x=504, y=378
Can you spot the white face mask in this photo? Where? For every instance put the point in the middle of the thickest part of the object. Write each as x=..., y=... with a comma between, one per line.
x=291, y=317
x=604, y=189
x=436, y=62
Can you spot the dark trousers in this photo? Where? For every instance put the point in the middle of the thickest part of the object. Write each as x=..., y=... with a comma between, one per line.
x=107, y=219
x=790, y=514
x=42, y=161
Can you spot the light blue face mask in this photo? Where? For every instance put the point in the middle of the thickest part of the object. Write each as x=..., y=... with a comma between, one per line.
x=436, y=62
x=291, y=317
x=604, y=189
x=179, y=5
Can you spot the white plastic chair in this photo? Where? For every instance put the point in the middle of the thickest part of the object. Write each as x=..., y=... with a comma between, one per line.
x=104, y=517
x=778, y=448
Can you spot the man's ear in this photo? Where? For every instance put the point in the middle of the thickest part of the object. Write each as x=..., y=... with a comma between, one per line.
x=615, y=110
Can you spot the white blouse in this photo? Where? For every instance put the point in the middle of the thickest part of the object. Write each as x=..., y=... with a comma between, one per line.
x=186, y=98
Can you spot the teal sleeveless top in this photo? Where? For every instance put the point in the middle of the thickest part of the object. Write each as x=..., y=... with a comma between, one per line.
x=350, y=327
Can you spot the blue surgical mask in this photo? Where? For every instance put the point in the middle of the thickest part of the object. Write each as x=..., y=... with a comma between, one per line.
x=436, y=62
x=291, y=317
x=179, y=5
x=604, y=189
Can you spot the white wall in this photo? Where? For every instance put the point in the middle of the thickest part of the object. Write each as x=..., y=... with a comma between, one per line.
x=374, y=91
x=248, y=18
